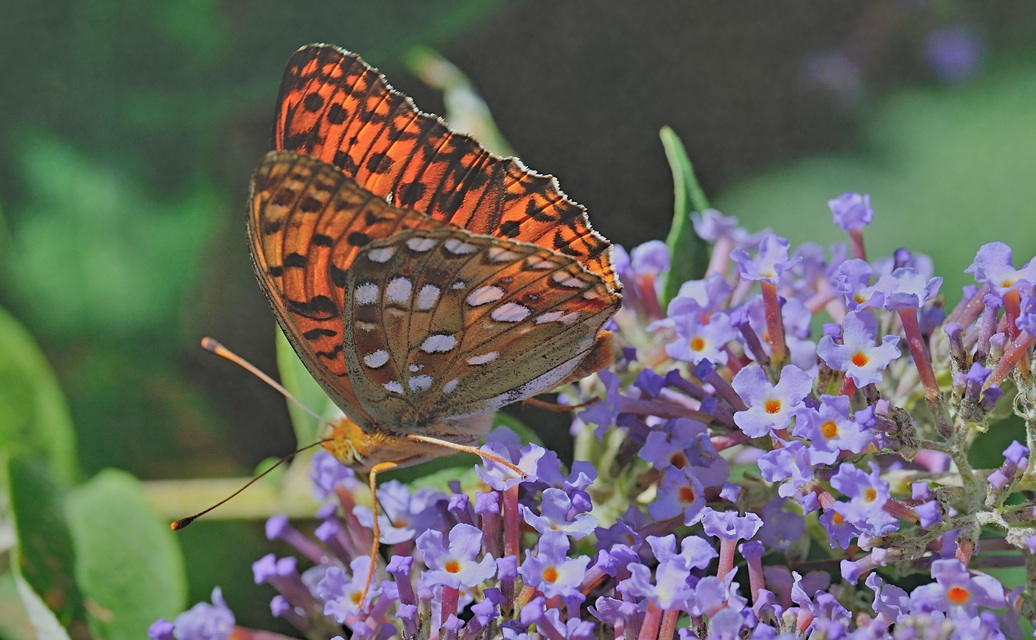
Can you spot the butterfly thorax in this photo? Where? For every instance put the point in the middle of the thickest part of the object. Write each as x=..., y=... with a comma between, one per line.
x=361, y=448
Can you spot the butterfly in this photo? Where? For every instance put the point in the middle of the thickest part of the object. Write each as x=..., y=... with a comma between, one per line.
x=424, y=282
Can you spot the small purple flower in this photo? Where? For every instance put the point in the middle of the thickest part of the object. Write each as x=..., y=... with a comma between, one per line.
x=790, y=465
x=501, y=478
x=551, y=571
x=455, y=566
x=851, y=211
x=889, y=600
x=728, y=525
x=403, y=514
x=203, y=621
x=342, y=593
x=840, y=531
x=555, y=515
x=830, y=431
x=327, y=473
x=669, y=589
x=679, y=493
x=994, y=266
x=695, y=551
x=681, y=443
x=711, y=294
x=161, y=629
x=605, y=410
x=781, y=529
x=858, y=356
x=770, y=406
x=625, y=531
x=954, y=53
x=1027, y=316
x=929, y=513
x=770, y=263
x=908, y=289
x=712, y=226
x=868, y=494
x=956, y=588
x=651, y=257
x=700, y=334
x=851, y=279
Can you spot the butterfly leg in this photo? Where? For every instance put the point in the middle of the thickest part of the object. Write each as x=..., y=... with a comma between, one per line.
x=371, y=480
x=466, y=449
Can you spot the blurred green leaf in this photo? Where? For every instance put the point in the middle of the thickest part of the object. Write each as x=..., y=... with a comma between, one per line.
x=46, y=558
x=14, y=619
x=128, y=565
x=91, y=252
x=948, y=169
x=33, y=414
x=301, y=384
x=689, y=253
x=465, y=110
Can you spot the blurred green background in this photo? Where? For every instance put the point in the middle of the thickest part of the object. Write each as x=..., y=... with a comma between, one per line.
x=128, y=131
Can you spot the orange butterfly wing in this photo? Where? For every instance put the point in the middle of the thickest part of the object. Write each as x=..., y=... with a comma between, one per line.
x=335, y=107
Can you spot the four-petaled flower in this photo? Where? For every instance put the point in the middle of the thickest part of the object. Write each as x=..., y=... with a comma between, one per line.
x=956, y=588
x=454, y=565
x=993, y=266
x=550, y=570
x=770, y=406
x=770, y=263
x=829, y=430
x=857, y=355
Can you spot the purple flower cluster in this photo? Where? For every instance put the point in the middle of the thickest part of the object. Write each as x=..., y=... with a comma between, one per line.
x=740, y=477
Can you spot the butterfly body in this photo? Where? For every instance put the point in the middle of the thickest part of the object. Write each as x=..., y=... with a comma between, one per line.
x=424, y=282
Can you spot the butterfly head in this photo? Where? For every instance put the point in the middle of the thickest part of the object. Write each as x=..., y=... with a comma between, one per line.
x=362, y=448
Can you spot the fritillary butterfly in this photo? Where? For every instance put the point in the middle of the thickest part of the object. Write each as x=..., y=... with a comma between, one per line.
x=423, y=281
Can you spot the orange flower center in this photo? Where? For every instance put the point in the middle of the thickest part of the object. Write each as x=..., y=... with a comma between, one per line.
x=452, y=566
x=870, y=495
x=550, y=574
x=860, y=359
x=687, y=495
x=829, y=429
x=697, y=344
x=678, y=460
x=772, y=406
x=838, y=518
x=958, y=595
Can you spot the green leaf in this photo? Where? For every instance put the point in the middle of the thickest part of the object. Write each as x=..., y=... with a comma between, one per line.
x=33, y=415
x=45, y=555
x=128, y=565
x=92, y=252
x=301, y=384
x=689, y=253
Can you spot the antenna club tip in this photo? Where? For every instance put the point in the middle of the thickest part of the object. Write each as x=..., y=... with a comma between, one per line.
x=210, y=344
x=181, y=523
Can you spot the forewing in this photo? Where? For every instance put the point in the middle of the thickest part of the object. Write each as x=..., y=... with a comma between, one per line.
x=446, y=323
x=335, y=107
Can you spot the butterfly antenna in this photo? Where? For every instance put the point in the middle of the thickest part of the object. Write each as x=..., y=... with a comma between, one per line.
x=183, y=522
x=213, y=346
